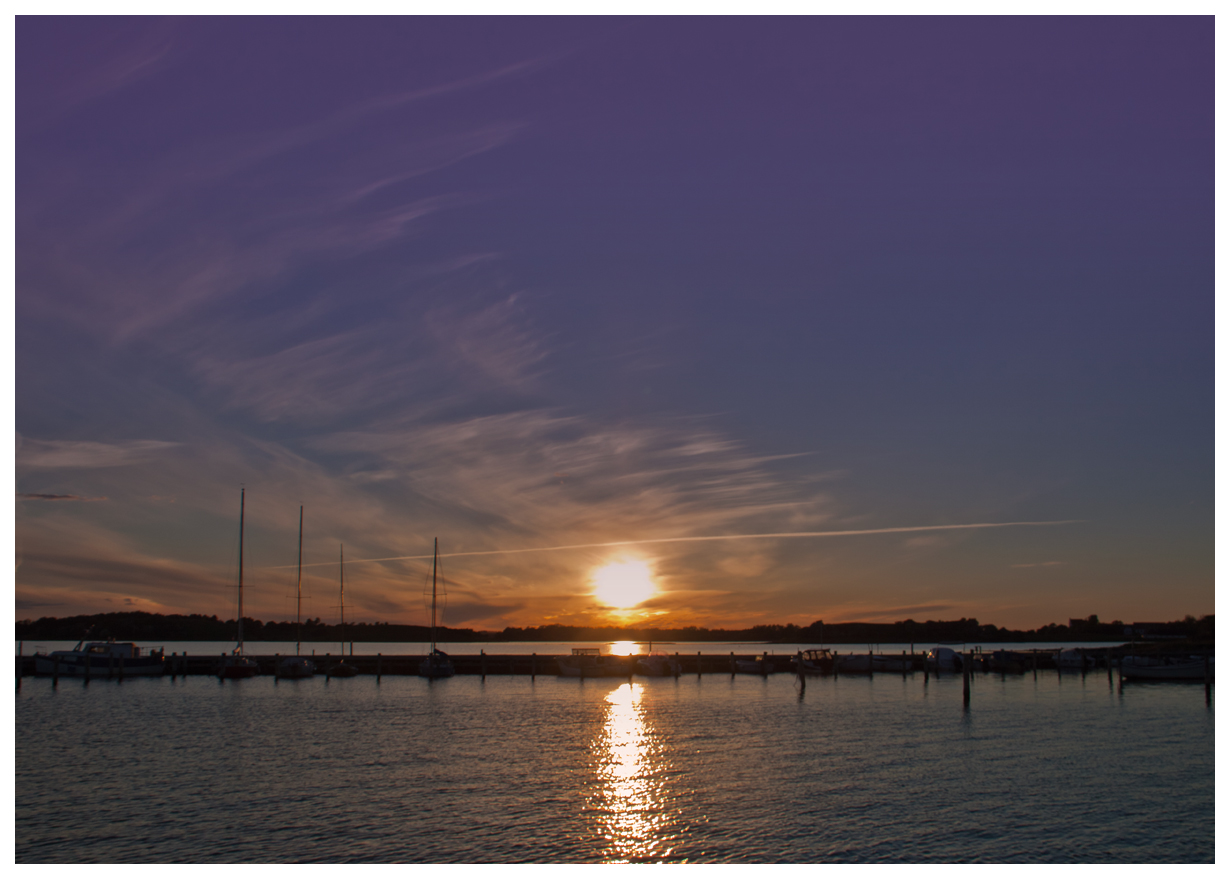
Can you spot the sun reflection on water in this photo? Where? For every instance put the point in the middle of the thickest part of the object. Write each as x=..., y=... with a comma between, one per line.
x=631, y=809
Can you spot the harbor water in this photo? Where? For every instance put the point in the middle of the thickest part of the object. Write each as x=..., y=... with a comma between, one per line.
x=719, y=768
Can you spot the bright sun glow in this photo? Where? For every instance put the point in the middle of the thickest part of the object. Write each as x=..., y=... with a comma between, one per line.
x=624, y=584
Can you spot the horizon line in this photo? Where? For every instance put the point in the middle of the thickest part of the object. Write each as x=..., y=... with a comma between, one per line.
x=788, y=534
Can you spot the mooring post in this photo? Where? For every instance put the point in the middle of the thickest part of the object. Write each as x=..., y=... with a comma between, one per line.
x=378, y=658
x=533, y=665
x=871, y=661
x=483, y=660
x=87, y=667
x=1208, y=682
x=698, y=665
x=764, y=664
x=732, y=665
x=904, y=664
x=965, y=661
x=55, y=671
x=1110, y=665
x=678, y=665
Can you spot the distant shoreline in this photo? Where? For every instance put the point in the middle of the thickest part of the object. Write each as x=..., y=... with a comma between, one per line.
x=141, y=626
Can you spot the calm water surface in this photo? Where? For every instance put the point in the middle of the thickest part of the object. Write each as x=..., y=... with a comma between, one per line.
x=738, y=769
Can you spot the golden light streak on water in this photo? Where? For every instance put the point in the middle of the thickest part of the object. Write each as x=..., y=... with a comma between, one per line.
x=630, y=807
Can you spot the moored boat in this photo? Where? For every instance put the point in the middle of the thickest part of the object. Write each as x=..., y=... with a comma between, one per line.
x=103, y=658
x=436, y=663
x=1166, y=668
x=588, y=662
x=237, y=665
x=943, y=659
x=815, y=662
x=297, y=666
x=759, y=665
x=659, y=664
x=342, y=669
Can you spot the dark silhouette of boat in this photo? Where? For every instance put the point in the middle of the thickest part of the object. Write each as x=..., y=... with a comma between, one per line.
x=342, y=669
x=297, y=666
x=237, y=665
x=436, y=664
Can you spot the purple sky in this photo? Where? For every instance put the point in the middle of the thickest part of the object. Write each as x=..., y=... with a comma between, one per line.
x=529, y=283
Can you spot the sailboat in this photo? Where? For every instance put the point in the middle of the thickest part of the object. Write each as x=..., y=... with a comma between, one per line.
x=436, y=664
x=342, y=669
x=298, y=666
x=237, y=665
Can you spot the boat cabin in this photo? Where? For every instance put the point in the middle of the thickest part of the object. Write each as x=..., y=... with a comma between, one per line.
x=109, y=649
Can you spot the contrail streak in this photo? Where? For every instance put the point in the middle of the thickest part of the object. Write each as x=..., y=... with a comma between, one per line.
x=788, y=534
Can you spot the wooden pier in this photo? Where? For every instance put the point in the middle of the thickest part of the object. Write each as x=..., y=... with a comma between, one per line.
x=495, y=664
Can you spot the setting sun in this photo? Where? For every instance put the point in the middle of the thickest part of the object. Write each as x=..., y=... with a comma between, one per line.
x=624, y=584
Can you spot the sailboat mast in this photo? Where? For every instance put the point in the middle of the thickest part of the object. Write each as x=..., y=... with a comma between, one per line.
x=239, y=647
x=299, y=589
x=342, y=592
x=435, y=555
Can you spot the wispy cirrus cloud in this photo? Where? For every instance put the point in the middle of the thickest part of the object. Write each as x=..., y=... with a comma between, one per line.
x=51, y=454
x=25, y=496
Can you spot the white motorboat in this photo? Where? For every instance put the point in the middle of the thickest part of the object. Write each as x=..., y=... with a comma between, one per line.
x=588, y=662
x=815, y=662
x=943, y=659
x=101, y=658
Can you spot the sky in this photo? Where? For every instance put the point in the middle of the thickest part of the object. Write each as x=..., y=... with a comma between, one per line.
x=930, y=300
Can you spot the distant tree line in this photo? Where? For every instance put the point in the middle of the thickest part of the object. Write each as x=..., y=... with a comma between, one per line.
x=141, y=626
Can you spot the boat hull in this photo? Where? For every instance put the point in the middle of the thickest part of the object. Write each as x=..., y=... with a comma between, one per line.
x=74, y=666
x=342, y=670
x=436, y=665
x=236, y=667
x=752, y=667
x=1150, y=670
x=659, y=667
x=296, y=667
x=590, y=667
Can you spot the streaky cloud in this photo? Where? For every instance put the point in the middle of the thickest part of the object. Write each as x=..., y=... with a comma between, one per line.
x=56, y=497
x=71, y=453
x=698, y=539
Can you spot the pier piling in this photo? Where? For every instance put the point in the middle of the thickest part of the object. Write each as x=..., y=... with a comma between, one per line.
x=698, y=665
x=378, y=658
x=965, y=661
